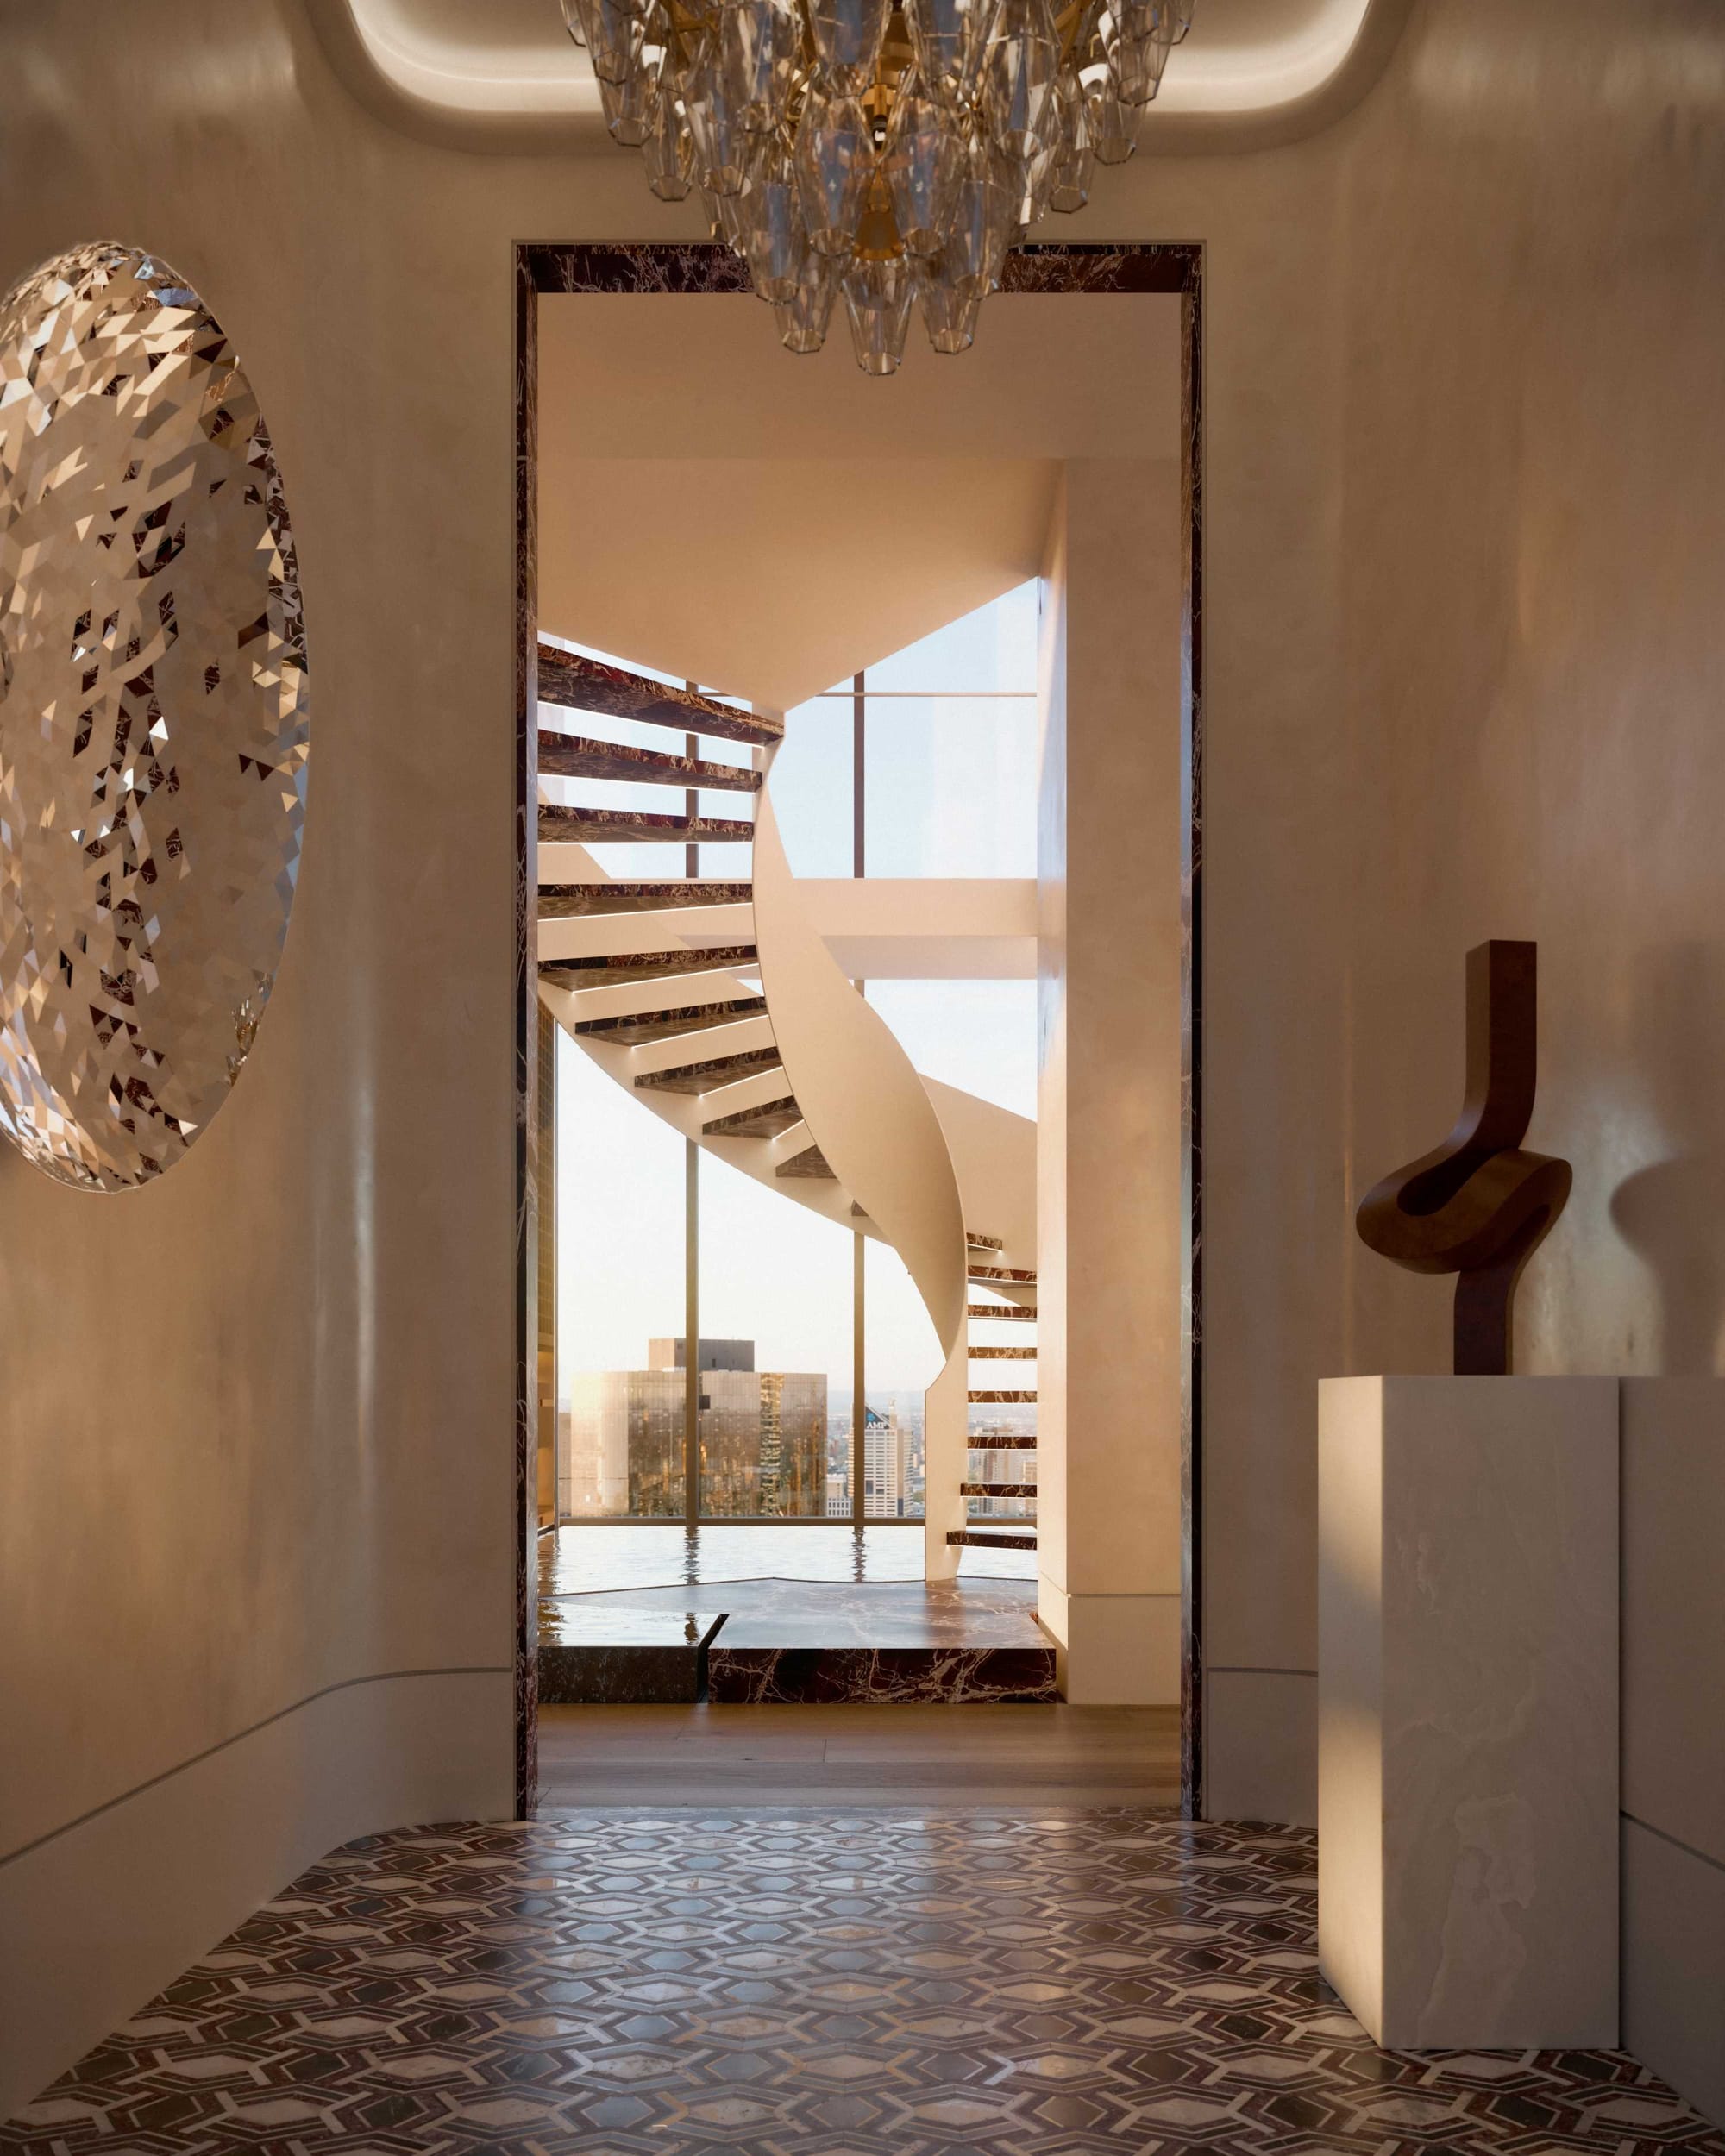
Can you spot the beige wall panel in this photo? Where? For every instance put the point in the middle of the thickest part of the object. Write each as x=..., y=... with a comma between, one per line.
x=1464, y=667
x=1108, y=1332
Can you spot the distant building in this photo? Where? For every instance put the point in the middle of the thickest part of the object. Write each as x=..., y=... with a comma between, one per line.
x=763, y=1438
x=885, y=1480
x=712, y=1355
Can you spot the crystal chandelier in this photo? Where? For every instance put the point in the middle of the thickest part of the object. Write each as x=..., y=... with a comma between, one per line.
x=890, y=150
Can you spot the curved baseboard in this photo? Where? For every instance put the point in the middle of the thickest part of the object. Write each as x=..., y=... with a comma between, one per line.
x=96, y=1917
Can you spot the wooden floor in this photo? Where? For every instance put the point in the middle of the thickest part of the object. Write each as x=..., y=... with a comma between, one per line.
x=861, y=1755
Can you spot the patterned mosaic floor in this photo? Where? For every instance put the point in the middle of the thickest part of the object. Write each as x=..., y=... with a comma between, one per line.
x=1087, y=1983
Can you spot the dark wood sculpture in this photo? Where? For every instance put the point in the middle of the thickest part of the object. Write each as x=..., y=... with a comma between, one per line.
x=1479, y=1206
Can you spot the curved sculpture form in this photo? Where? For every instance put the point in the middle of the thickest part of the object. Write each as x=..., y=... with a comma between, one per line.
x=1478, y=1206
x=154, y=717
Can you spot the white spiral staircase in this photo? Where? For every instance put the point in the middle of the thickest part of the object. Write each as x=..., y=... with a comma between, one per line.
x=719, y=1006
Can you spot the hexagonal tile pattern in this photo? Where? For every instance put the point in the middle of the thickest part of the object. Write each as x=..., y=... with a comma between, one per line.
x=810, y=1984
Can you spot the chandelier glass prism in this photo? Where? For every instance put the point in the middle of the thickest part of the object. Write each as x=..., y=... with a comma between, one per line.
x=888, y=152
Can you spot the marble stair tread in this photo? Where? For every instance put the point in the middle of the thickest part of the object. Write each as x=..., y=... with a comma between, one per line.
x=1016, y=1275
x=1003, y=1354
x=1002, y=1313
x=624, y=969
x=624, y=827
x=811, y=1162
x=1000, y=1441
x=709, y=1076
x=766, y=1121
x=997, y=1490
x=670, y=1024
x=579, y=684
x=984, y=1397
x=976, y=1537
x=584, y=901
x=574, y=756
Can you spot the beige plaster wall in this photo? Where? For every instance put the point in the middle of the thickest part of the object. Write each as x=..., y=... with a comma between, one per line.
x=256, y=1478
x=1464, y=658
x=1465, y=503
x=1108, y=1332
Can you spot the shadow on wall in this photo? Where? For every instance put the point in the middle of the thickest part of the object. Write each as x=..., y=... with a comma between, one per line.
x=1672, y=1214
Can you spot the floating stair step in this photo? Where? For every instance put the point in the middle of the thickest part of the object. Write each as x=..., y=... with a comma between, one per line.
x=1008, y=1313
x=979, y=1399
x=983, y=1241
x=573, y=756
x=766, y=1121
x=669, y=1026
x=811, y=1162
x=1002, y=1355
x=652, y=965
x=997, y=1490
x=723, y=1070
x=638, y=827
x=974, y=1539
x=588, y=684
x=575, y=901
x=999, y=1441
x=1001, y=1272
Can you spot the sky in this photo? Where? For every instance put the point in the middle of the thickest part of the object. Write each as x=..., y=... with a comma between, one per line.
x=951, y=790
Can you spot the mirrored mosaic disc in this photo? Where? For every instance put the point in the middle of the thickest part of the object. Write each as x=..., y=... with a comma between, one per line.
x=154, y=717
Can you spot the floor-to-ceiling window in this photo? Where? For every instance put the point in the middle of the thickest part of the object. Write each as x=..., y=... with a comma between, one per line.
x=813, y=1348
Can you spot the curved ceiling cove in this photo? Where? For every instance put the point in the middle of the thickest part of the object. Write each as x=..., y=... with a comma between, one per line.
x=505, y=76
x=153, y=728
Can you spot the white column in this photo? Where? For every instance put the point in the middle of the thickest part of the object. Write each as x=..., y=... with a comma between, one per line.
x=1467, y=1709
x=1108, y=1096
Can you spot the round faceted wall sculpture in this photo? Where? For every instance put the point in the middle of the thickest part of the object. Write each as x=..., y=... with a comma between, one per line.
x=153, y=732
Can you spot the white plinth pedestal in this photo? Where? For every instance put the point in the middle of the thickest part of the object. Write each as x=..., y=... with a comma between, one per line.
x=1467, y=1709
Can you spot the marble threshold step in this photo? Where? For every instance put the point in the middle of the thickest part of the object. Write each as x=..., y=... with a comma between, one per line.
x=593, y=1652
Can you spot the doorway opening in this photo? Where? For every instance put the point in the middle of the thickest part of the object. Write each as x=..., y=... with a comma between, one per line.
x=703, y=1337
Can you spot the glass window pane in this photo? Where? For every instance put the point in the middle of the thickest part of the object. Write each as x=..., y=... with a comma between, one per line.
x=993, y=649
x=978, y=1035
x=902, y=1357
x=776, y=1304
x=950, y=785
x=620, y=1209
x=812, y=782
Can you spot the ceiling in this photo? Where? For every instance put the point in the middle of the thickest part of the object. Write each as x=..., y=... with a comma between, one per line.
x=505, y=75
x=713, y=507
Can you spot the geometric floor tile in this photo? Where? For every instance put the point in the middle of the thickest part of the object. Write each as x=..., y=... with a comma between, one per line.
x=1102, y=1983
